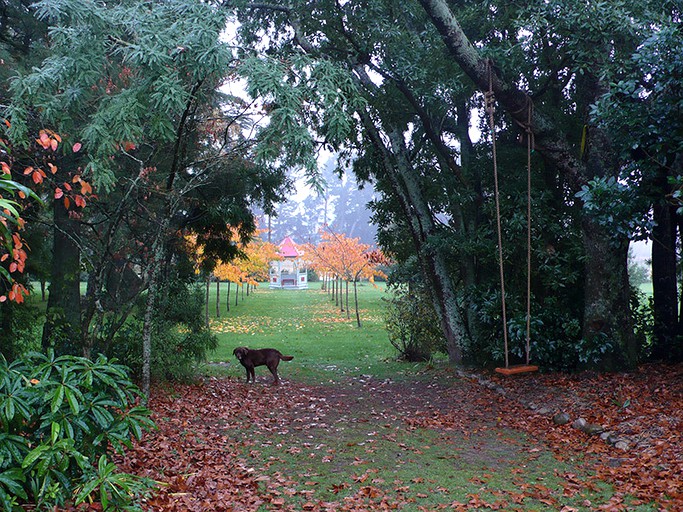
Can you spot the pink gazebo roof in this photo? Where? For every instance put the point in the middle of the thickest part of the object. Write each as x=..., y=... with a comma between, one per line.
x=287, y=249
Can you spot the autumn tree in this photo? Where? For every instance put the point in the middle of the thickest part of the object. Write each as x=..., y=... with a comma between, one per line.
x=244, y=261
x=347, y=258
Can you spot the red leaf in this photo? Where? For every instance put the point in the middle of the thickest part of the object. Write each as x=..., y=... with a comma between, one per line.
x=58, y=193
x=77, y=147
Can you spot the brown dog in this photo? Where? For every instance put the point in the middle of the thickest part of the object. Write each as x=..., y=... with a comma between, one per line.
x=266, y=356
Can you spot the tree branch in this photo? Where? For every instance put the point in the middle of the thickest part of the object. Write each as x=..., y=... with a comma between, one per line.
x=515, y=102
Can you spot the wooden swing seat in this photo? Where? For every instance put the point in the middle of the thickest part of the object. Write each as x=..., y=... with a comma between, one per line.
x=519, y=368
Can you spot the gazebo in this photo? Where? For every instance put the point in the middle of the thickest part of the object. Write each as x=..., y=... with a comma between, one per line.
x=290, y=271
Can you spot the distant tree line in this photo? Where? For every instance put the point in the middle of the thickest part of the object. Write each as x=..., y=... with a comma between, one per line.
x=339, y=204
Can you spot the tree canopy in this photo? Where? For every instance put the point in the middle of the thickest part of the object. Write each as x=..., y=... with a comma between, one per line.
x=420, y=73
x=400, y=94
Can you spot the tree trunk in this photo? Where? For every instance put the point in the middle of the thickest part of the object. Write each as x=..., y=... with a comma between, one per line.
x=355, y=298
x=227, y=298
x=348, y=313
x=607, y=299
x=435, y=267
x=607, y=290
x=664, y=280
x=206, y=300
x=62, y=328
x=218, y=298
x=8, y=347
x=153, y=273
x=404, y=181
x=148, y=322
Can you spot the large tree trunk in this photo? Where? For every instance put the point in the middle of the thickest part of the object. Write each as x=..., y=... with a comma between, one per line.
x=607, y=312
x=605, y=258
x=62, y=328
x=435, y=269
x=664, y=280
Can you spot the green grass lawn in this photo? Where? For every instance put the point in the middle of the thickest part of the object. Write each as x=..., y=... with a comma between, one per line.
x=646, y=288
x=367, y=436
x=308, y=325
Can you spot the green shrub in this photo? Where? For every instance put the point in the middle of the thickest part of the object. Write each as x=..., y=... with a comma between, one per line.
x=21, y=329
x=60, y=419
x=180, y=337
x=413, y=327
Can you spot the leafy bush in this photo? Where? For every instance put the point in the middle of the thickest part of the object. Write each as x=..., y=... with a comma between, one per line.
x=642, y=308
x=412, y=324
x=180, y=337
x=60, y=419
x=555, y=335
x=21, y=329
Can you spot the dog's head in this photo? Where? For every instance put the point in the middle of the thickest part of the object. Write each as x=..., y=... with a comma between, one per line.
x=240, y=352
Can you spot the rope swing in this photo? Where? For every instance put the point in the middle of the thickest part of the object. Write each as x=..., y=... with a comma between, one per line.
x=490, y=109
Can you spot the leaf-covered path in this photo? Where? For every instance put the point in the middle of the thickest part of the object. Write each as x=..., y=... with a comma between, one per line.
x=434, y=441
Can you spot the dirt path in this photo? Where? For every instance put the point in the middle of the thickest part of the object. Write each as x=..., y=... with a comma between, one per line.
x=427, y=443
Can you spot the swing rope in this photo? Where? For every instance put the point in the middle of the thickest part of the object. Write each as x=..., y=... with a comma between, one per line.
x=490, y=108
x=530, y=149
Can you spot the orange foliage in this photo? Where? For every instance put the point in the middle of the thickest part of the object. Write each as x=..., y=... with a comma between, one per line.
x=251, y=268
x=345, y=257
x=13, y=246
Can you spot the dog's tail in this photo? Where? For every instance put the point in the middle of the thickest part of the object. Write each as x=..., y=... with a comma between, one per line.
x=286, y=358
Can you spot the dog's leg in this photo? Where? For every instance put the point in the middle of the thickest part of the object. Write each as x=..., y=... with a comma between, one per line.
x=273, y=370
x=252, y=372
